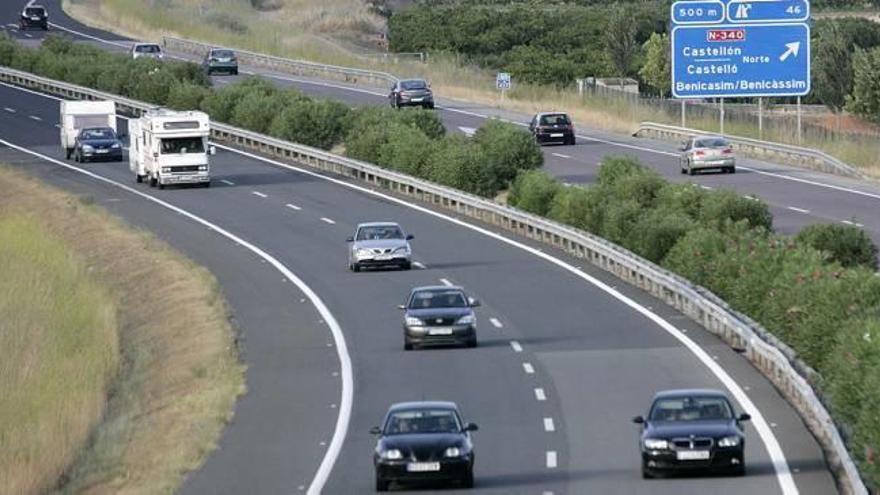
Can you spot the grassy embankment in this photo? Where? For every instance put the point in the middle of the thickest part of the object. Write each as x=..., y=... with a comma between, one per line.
x=102, y=392
x=305, y=29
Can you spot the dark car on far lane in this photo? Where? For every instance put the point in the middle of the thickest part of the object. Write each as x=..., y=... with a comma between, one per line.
x=411, y=93
x=424, y=442
x=220, y=60
x=34, y=16
x=439, y=315
x=552, y=127
x=688, y=430
x=97, y=143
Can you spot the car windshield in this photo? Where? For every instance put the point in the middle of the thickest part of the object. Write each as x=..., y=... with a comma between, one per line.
x=379, y=232
x=34, y=11
x=711, y=143
x=556, y=119
x=221, y=54
x=182, y=145
x=691, y=409
x=98, y=133
x=147, y=49
x=422, y=421
x=428, y=299
x=414, y=84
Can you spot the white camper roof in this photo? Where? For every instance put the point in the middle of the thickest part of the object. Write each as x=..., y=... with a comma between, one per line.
x=88, y=107
x=163, y=120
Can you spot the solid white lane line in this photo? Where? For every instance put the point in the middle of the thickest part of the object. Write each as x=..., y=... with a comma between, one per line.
x=88, y=36
x=708, y=188
x=540, y=395
x=419, y=265
x=227, y=182
x=850, y=222
x=34, y=117
x=551, y=459
x=293, y=206
x=347, y=394
x=327, y=220
x=560, y=155
x=10, y=110
x=258, y=193
x=446, y=282
x=548, y=425
x=516, y=346
x=528, y=368
x=799, y=210
x=495, y=322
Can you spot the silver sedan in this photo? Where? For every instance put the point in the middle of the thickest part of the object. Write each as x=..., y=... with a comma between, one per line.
x=379, y=244
x=707, y=152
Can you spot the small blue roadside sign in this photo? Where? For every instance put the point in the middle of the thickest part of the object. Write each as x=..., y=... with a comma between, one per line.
x=698, y=12
x=758, y=11
x=730, y=60
x=502, y=81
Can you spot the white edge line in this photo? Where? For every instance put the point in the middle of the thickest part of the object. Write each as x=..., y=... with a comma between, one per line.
x=88, y=36
x=799, y=210
x=780, y=464
x=344, y=417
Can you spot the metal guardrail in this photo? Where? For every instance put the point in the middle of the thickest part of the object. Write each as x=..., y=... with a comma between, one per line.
x=771, y=357
x=795, y=155
x=286, y=65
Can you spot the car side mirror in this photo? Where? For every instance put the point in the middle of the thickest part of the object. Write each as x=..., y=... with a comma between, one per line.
x=473, y=302
x=471, y=427
x=744, y=417
x=375, y=430
x=349, y=239
x=410, y=237
x=212, y=150
x=401, y=306
x=638, y=420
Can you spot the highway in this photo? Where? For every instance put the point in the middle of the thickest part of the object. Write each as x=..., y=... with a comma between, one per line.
x=559, y=340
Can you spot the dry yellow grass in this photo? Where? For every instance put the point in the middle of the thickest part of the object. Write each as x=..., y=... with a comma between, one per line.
x=178, y=373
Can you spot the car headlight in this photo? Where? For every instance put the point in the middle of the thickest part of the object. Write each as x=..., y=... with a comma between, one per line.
x=87, y=147
x=656, y=444
x=203, y=168
x=466, y=320
x=363, y=253
x=166, y=170
x=413, y=322
x=729, y=441
x=402, y=250
x=453, y=452
x=392, y=454
x=115, y=146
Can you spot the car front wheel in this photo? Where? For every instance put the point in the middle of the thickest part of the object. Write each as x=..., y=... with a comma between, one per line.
x=382, y=485
x=467, y=481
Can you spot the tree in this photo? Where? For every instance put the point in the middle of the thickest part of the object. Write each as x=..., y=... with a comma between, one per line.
x=620, y=42
x=657, y=69
x=865, y=99
x=832, y=68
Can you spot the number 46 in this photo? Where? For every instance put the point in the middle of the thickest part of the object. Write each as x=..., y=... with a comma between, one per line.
x=793, y=10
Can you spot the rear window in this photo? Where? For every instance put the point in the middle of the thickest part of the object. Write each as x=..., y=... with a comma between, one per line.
x=99, y=133
x=711, y=143
x=691, y=409
x=555, y=119
x=414, y=84
x=429, y=299
x=147, y=49
x=222, y=53
x=34, y=11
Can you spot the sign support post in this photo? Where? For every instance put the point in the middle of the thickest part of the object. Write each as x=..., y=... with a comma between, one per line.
x=799, y=120
x=683, y=113
x=760, y=118
x=722, y=116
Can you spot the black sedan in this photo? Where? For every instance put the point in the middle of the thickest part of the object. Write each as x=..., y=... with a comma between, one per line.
x=424, y=441
x=552, y=127
x=411, y=93
x=439, y=315
x=34, y=16
x=692, y=430
x=97, y=143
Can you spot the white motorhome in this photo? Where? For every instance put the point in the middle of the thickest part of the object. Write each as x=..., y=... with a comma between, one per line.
x=170, y=147
x=76, y=115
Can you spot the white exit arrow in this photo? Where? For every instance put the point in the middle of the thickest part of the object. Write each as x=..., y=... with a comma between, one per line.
x=793, y=49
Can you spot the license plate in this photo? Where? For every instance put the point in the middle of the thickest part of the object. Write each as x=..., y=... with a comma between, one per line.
x=35, y=18
x=692, y=455
x=417, y=99
x=556, y=134
x=102, y=151
x=422, y=467
x=440, y=331
x=383, y=257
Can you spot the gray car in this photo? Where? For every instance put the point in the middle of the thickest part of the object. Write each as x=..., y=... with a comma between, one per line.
x=707, y=152
x=220, y=60
x=411, y=93
x=146, y=50
x=379, y=244
x=439, y=315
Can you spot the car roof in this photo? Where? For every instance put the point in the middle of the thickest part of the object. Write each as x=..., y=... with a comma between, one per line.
x=414, y=79
x=146, y=43
x=436, y=288
x=378, y=224
x=686, y=392
x=427, y=404
x=218, y=49
x=708, y=136
x=35, y=6
x=542, y=114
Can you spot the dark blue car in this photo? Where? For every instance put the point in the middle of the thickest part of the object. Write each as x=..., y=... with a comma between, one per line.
x=97, y=143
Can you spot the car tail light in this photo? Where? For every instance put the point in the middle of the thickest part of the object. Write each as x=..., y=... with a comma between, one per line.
x=699, y=153
x=727, y=151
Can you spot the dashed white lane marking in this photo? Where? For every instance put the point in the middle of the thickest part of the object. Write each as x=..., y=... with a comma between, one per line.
x=258, y=193
x=551, y=459
x=28, y=35
x=516, y=346
x=419, y=265
x=528, y=368
x=799, y=210
x=58, y=126
x=34, y=117
x=495, y=322
x=328, y=220
x=446, y=282
x=540, y=395
x=293, y=206
x=227, y=182
x=10, y=110
x=752, y=198
x=560, y=155
x=547, y=493
x=854, y=224
x=708, y=188
x=548, y=425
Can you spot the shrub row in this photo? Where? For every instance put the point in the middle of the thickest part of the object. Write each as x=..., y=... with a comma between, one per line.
x=817, y=291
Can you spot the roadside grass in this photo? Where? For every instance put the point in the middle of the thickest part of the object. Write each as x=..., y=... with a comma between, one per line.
x=172, y=371
x=301, y=27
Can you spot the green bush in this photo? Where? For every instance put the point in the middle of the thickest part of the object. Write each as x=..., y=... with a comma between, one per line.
x=642, y=188
x=856, y=351
x=534, y=191
x=426, y=121
x=846, y=244
x=367, y=143
x=408, y=150
x=614, y=168
x=695, y=254
x=458, y=163
x=312, y=123
x=681, y=197
x=571, y=206
x=507, y=150
x=620, y=218
x=185, y=95
x=722, y=207
x=656, y=232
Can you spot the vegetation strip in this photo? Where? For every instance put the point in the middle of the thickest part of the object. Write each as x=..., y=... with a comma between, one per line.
x=170, y=377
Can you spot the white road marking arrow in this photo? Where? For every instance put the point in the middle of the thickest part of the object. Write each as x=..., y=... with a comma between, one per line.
x=469, y=131
x=793, y=49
